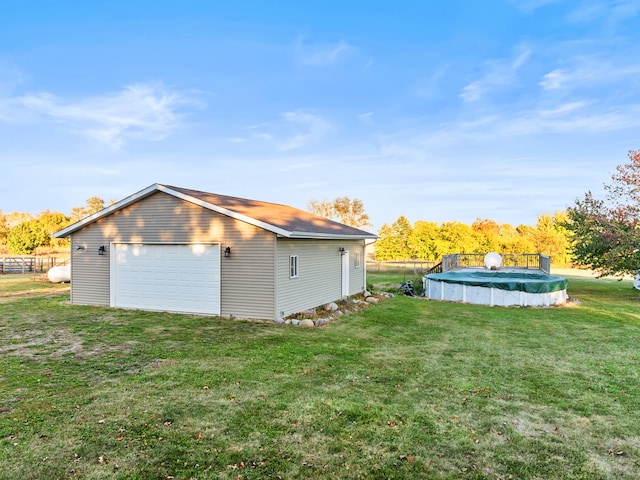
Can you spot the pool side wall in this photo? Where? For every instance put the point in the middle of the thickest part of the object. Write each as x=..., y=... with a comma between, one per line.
x=454, y=292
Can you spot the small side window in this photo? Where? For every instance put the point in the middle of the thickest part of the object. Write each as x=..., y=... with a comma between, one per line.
x=356, y=260
x=293, y=266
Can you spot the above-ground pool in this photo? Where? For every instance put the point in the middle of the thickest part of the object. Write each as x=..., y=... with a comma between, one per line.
x=492, y=287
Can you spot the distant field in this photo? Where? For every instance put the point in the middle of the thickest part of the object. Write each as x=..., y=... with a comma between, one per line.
x=406, y=389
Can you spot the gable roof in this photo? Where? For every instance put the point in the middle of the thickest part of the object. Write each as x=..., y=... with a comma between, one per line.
x=280, y=219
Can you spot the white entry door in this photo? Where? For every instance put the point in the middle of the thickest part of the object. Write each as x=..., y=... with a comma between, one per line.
x=345, y=274
x=174, y=278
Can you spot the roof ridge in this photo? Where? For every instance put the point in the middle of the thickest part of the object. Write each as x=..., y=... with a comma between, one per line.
x=183, y=189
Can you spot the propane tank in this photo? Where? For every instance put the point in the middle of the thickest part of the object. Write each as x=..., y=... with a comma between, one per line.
x=59, y=274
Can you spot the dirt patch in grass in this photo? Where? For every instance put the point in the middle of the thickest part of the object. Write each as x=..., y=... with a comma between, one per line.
x=54, y=343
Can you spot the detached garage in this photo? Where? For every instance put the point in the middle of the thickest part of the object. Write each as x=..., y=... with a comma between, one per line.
x=173, y=249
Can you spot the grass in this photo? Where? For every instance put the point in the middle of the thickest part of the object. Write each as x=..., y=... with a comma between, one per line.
x=407, y=388
x=15, y=285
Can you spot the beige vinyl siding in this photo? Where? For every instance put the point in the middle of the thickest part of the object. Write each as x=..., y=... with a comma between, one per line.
x=357, y=276
x=319, y=279
x=89, y=271
x=247, y=276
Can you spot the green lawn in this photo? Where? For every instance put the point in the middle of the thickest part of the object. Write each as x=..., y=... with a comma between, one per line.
x=407, y=388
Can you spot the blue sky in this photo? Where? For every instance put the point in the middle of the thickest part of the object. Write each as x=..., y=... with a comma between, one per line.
x=442, y=111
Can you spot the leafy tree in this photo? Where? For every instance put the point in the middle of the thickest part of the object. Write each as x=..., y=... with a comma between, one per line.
x=423, y=240
x=456, y=237
x=4, y=228
x=550, y=236
x=385, y=246
x=393, y=241
x=52, y=222
x=16, y=218
x=92, y=205
x=342, y=209
x=23, y=239
x=516, y=240
x=487, y=234
x=606, y=233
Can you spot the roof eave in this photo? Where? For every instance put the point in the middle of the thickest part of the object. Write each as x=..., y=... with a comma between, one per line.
x=108, y=210
x=332, y=236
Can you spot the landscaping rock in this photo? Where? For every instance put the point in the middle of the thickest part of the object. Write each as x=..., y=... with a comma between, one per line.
x=321, y=321
x=366, y=294
x=307, y=323
x=372, y=299
x=295, y=322
x=308, y=313
x=331, y=307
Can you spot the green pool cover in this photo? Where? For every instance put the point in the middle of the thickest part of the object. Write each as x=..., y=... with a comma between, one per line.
x=525, y=282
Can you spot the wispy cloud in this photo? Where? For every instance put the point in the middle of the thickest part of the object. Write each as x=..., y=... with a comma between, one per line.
x=140, y=111
x=610, y=14
x=313, y=127
x=624, y=10
x=590, y=72
x=322, y=54
x=366, y=118
x=499, y=73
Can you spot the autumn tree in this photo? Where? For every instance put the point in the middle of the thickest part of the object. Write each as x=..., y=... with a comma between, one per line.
x=345, y=210
x=516, y=239
x=393, y=241
x=92, y=205
x=606, y=233
x=16, y=218
x=456, y=237
x=53, y=222
x=487, y=234
x=24, y=238
x=4, y=228
x=423, y=240
x=550, y=237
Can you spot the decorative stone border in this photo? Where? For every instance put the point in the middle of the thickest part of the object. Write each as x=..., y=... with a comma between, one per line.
x=317, y=317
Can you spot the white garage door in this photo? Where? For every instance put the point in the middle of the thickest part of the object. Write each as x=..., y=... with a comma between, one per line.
x=174, y=278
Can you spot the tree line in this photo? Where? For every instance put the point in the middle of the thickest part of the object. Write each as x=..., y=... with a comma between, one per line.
x=429, y=241
x=26, y=234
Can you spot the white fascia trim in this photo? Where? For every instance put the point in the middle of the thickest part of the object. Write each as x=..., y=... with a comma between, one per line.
x=108, y=210
x=336, y=236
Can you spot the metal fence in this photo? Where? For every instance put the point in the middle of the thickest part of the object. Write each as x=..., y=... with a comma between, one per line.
x=416, y=267
x=26, y=264
x=534, y=261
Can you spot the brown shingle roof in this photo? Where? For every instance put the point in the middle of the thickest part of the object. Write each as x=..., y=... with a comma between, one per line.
x=280, y=219
x=296, y=222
